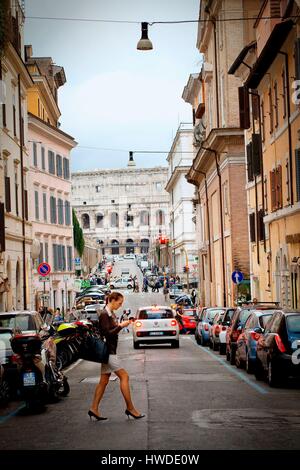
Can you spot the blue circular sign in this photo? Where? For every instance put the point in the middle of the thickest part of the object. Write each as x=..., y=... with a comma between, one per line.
x=237, y=277
x=44, y=269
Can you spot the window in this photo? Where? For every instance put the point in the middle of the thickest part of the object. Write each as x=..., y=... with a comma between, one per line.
x=46, y=252
x=249, y=162
x=276, y=104
x=252, y=227
x=144, y=218
x=114, y=219
x=17, y=193
x=60, y=205
x=283, y=94
x=158, y=186
x=55, y=257
x=51, y=162
x=41, y=255
x=70, y=261
x=85, y=218
x=59, y=166
x=67, y=213
x=53, y=216
x=36, y=200
x=43, y=158
x=263, y=135
x=4, y=115
x=14, y=118
x=128, y=220
x=35, y=163
x=260, y=225
x=45, y=206
x=7, y=194
x=271, y=122
x=66, y=169
x=160, y=218
x=276, y=188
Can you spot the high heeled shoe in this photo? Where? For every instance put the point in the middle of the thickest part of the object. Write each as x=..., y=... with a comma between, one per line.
x=93, y=415
x=128, y=413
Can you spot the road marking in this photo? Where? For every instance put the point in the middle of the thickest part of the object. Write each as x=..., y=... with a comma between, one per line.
x=241, y=375
x=73, y=365
x=5, y=418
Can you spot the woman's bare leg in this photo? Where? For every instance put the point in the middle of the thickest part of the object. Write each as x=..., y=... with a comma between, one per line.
x=125, y=389
x=100, y=389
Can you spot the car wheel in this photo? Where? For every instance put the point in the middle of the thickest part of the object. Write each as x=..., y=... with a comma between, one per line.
x=273, y=375
x=258, y=370
x=249, y=365
x=175, y=344
x=136, y=345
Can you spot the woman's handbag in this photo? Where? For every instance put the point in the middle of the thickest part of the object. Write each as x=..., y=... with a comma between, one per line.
x=94, y=349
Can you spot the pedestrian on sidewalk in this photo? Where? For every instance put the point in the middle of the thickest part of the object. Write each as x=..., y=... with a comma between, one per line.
x=166, y=291
x=109, y=329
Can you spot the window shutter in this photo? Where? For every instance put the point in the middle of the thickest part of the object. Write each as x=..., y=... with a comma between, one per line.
x=249, y=161
x=273, y=190
x=14, y=120
x=26, y=203
x=45, y=206
x=36, y=196
x=261, y=225
x=244, y=107
x=256, y=152
x=3, y=114
x=252, y=227
x=297, y=169
x=43, y=158
x=34, y=154
x=64, y=257
x=46, y=252
x=7, y=194
x=279, y=187
x=255, y=106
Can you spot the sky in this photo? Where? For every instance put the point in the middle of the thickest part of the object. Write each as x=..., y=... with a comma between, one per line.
x=117, y=98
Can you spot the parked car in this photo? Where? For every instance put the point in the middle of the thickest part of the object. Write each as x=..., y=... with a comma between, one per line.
x=278, y=348
x=122, y=283
x=189, y=319
x=25, y=321
x=155, y=325
x=237, y=326
x=247, y=341
x=129, y=256
x=175, y=291
x=204, y=324
x=90, y=298
x=216, y=327
x=229, y=312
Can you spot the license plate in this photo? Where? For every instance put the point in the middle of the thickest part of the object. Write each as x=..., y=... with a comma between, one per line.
x=155, y=333
x=29, y=379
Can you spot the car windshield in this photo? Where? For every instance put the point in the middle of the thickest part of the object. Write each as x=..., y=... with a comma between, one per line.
x=263, y=320
x=244, y=316
x=211, y=313
x=22, y=322
x=5, y=341
x=293, y=324
x=189, y=313
x=155, y=314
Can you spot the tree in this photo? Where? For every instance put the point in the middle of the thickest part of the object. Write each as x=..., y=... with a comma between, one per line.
x=78, y=235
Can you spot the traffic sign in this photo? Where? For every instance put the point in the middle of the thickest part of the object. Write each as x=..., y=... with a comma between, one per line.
x=77, y=263
x=44, y=278
x=237, y=277
x=44, y=269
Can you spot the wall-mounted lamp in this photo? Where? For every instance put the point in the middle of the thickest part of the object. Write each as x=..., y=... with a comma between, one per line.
x=144, y=43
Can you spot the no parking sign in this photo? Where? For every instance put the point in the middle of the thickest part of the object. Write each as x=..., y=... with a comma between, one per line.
x=44, y=269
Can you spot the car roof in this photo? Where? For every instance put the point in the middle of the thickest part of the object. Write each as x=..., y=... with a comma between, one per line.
x=156, y=307
x=287, y=311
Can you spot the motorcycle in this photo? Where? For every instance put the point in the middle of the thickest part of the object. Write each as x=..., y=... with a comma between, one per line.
x=39, y=380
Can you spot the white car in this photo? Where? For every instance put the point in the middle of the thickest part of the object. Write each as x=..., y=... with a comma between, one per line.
x=129, y=256
x=121, y=283
x=155, y=324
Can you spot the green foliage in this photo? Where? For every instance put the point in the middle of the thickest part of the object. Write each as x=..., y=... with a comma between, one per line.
x=78, y=235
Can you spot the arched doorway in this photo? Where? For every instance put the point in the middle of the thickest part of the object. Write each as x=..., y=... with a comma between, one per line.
x=129, y=246
x=85, y=219
x=115, y=250
x=145, y=245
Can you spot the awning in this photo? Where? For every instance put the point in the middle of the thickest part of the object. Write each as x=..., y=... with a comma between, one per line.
x=269, y=53
x=240, y=58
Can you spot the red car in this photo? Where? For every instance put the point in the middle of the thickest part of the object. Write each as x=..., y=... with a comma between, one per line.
x=189, y=319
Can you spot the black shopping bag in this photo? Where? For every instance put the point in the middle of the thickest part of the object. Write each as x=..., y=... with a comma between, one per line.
x=94, y=349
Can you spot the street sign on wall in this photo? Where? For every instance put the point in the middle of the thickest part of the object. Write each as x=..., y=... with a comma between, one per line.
x=237, y=277
x=77, y=264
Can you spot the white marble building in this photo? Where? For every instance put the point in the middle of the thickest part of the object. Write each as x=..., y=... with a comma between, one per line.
x=125, y=210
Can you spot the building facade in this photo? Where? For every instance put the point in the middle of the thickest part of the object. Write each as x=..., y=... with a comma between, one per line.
x=50, y=184
x=218, y=170
x=182, y=244
x=270, y=114
x=125, y=210
x=16, y=229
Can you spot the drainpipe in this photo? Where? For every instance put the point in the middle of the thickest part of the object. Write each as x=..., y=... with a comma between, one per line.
x=289, y=124
x=22, y=190
x=221, y=221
